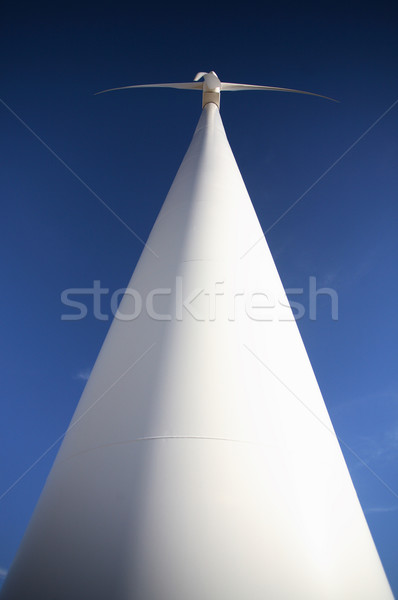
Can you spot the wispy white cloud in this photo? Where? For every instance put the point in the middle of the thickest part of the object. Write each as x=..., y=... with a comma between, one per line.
x=330, y=277
x=380, y=446
x=380, y=509
x=388, y=444
x=3, y=572
x=83, y=375
x=374, y=418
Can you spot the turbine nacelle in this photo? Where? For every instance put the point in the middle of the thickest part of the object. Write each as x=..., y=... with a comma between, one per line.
x=212, y=87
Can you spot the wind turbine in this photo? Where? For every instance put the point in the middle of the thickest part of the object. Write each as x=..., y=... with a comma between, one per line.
x=201, y=462
x=212, y=87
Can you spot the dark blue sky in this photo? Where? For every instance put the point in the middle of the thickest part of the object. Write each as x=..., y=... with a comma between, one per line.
x=127, y=146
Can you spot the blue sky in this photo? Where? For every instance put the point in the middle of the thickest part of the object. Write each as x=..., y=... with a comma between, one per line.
x=126, y=147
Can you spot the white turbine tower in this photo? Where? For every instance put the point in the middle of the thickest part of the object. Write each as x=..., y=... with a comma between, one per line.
x=201, y=463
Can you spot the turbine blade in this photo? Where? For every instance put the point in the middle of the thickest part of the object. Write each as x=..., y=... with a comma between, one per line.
x=199, y=75
x=190, y=85
x=237, y=87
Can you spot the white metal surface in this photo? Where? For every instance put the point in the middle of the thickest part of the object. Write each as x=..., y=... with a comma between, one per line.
x=211, y=87
x=201, y=463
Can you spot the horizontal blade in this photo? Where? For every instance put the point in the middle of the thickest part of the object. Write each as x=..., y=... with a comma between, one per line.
x=237, y=87
x=191, y=85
